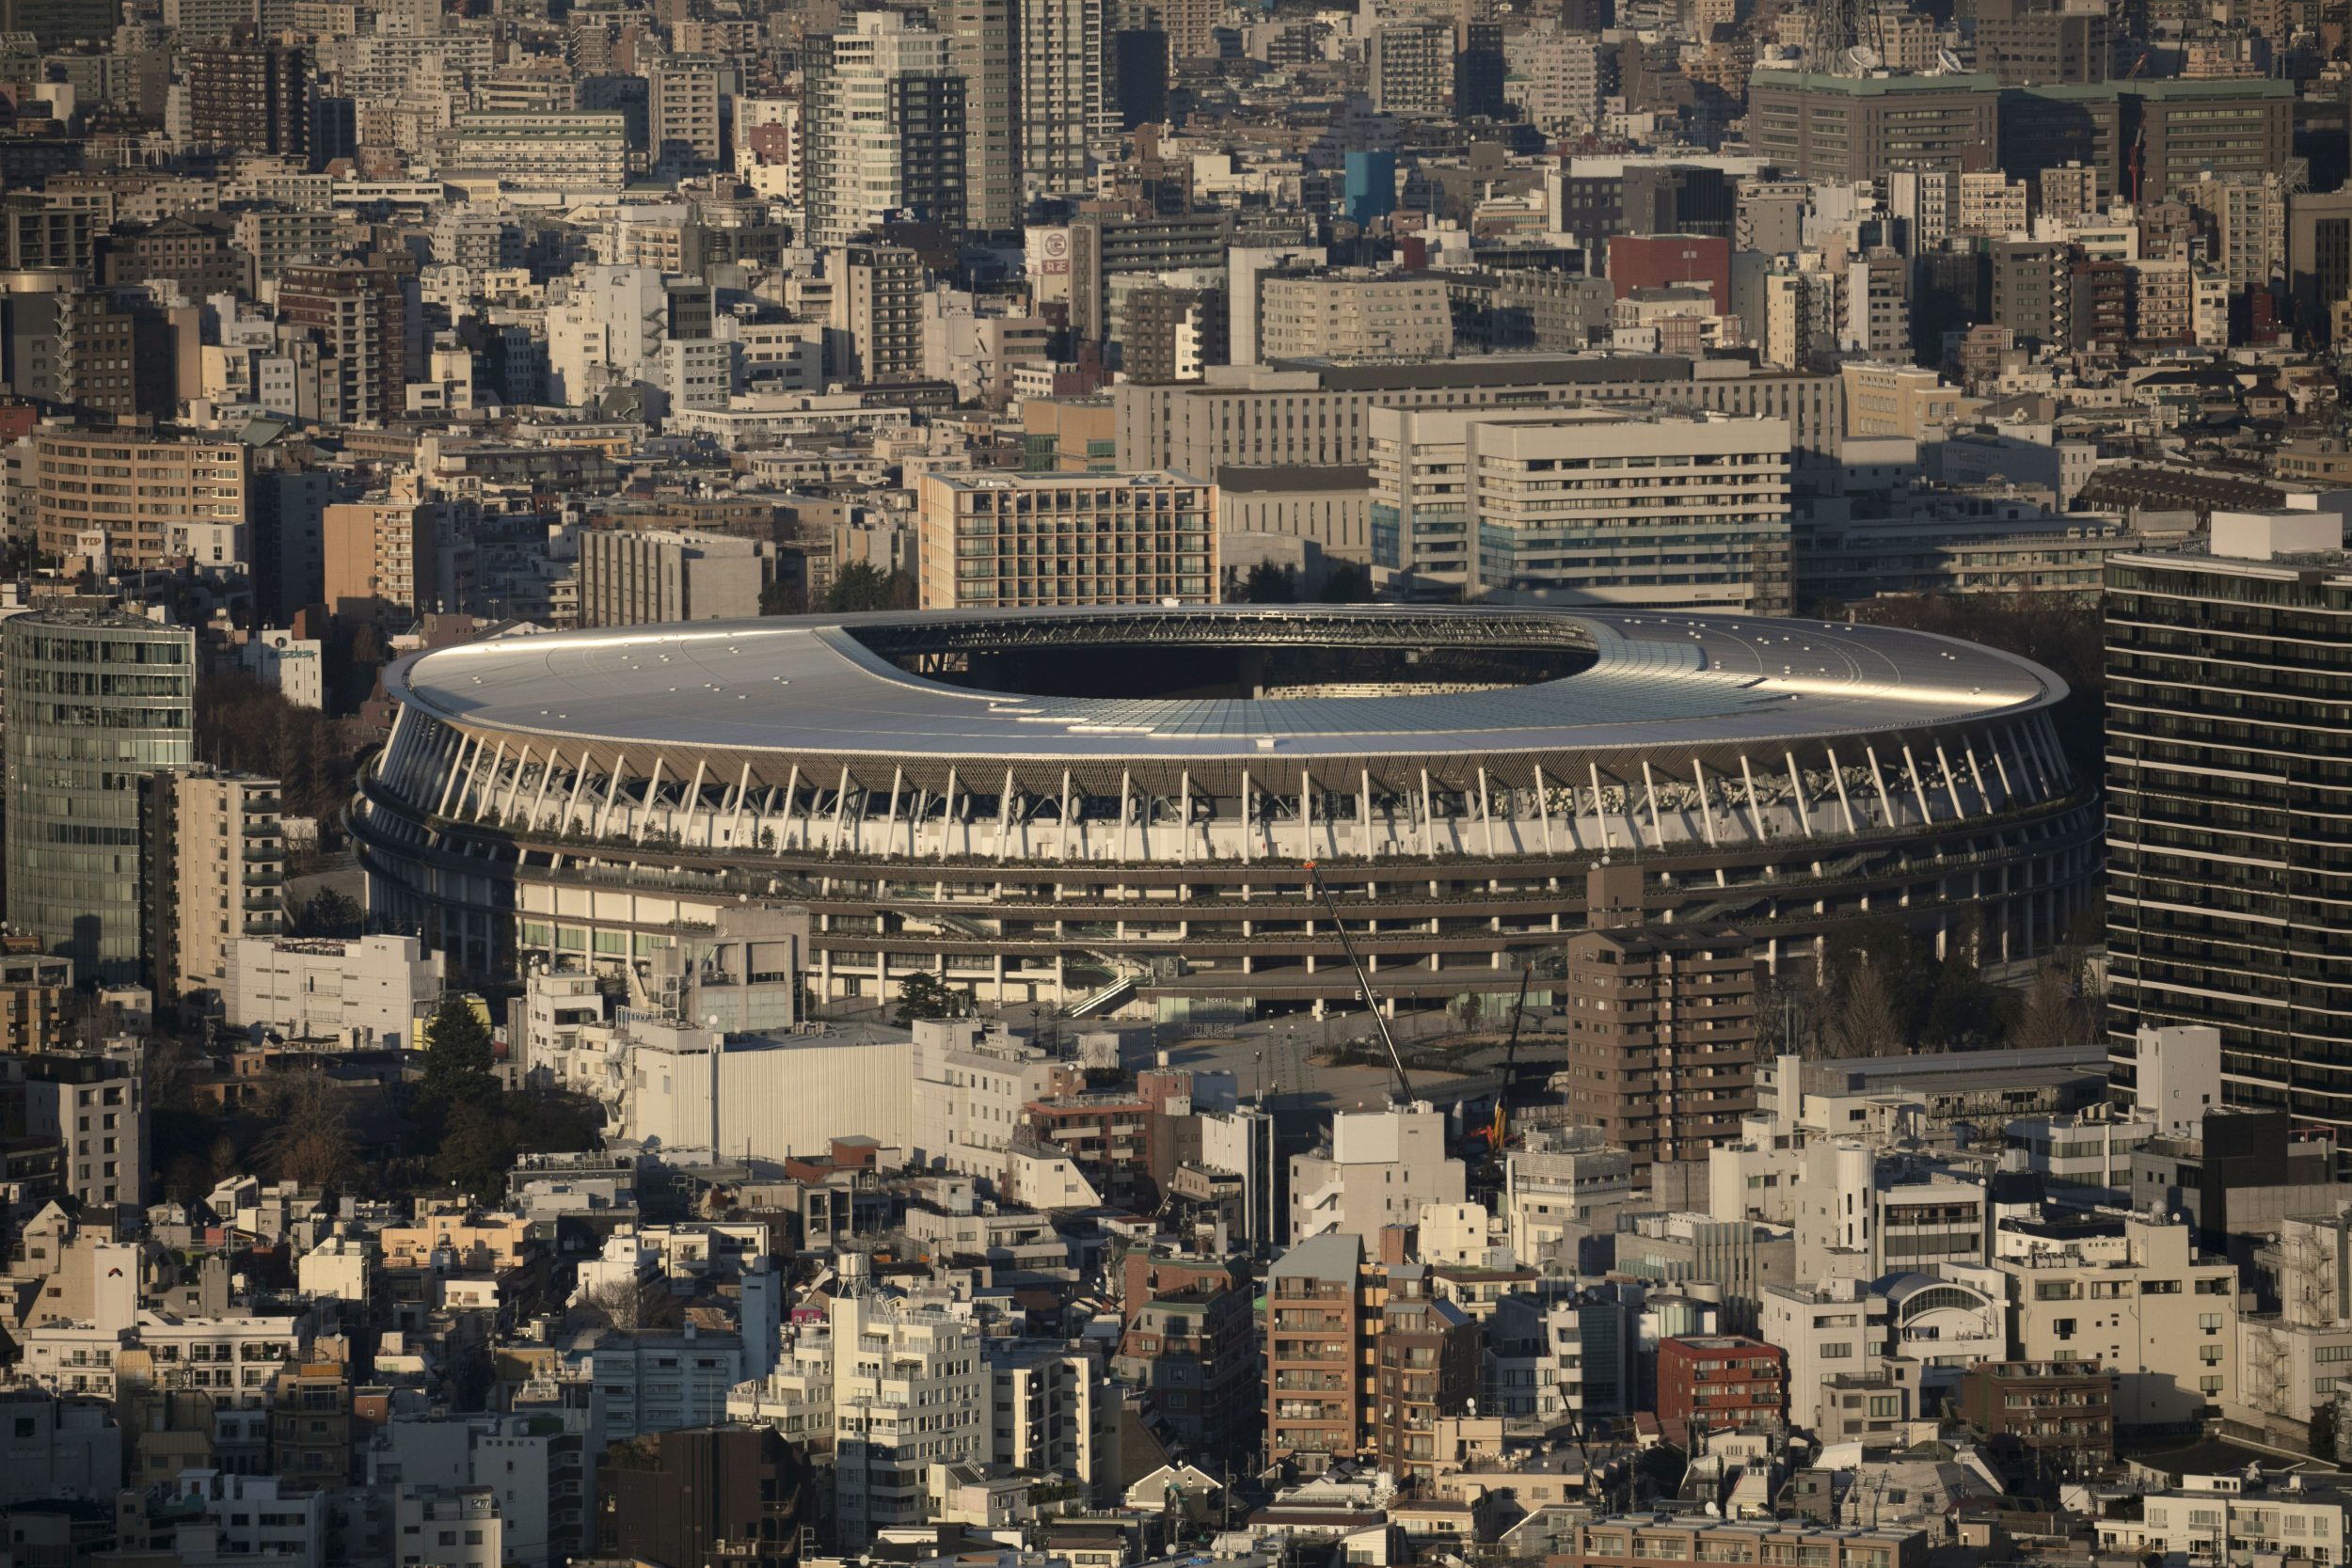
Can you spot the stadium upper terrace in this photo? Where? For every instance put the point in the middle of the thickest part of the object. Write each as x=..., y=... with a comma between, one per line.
x=1100, y=784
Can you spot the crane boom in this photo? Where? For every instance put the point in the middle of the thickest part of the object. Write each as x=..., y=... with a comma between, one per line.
x=1363, y=985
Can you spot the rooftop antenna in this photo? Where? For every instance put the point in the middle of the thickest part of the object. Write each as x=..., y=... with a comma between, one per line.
x=1363, y=987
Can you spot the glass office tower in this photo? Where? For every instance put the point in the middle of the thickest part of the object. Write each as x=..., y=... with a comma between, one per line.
x=97, y=699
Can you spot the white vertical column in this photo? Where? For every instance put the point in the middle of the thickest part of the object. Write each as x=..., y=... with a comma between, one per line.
x=1543, y=806
x=1428, y=819
x=1707, y=807
x=948, y=818
x=457, y=771
x=1600, y=821
x=1649, y=789
x=612, y=789
x=1756, y=812
x=742, y=789
x=652, y=793
x=890, y=823
x=579, y=779
x=791, y=804
x=1061, y=850
x=1487, y=814
x=840, y=808
x=1183, y=814
x=692, y=800
x=1951, y=781
x=1878, y=776
x=1364, y=812
x=1004, y=816
x=1976, y=774
x=1918, y=786
x=546, y=777
x=1838, y=777
x=514, y=787
x=1796, y=792
x=1305, y=817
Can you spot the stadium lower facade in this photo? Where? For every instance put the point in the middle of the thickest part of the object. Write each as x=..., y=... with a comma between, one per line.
x=1091, y=808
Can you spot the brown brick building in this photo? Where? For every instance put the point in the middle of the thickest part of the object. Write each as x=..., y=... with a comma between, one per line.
x=2062, y=1407
x=1661, y=1027
x=1722, y=1381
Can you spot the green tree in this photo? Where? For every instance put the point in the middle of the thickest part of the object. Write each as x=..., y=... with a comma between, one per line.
x=779, y=597
x=329, y=913
x=1346, y=584
x=2323, y=1432
x=478, y=1149
x=859, y=586
x=1865, y=1022
x=1268, y=583
x=923, y=996
x=460, y=1065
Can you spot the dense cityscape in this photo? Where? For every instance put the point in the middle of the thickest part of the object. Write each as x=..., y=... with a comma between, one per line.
x=1171, y=783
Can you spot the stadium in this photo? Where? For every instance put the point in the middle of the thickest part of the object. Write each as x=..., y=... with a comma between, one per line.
x=1105, y=809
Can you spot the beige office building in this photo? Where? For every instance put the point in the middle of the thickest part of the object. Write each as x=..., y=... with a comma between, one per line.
x=1352, y=315
x=1026, y=541
x=214, y=867
x=144, y=496
x=638, y=576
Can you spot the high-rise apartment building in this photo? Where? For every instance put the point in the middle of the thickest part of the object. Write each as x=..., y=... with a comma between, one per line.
x=1479, y=71
x=878, y=308
x=683, y=99
x=982, y=35
x=1586, y=506
x=114, y=354
x=2228, y=882
x=359, y=318
x=1412, y=66
x=95, y=700
x=1662, y=1042
x=140, y=501
x=215, y=874
x=887, y=126
x=1033, y=540
x=1063, y=56
x=384, y=556
x=250, y=97
x=1322, y=1313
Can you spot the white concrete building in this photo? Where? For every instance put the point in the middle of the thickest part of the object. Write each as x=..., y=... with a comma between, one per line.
x=233, y=1359
x=761, y=1096
x=662, y=1381
x=895, y=1388
x=1833, y=1329
x=971, y=1081
x=440, y=1526
x=1585, y=506
x=293, y=666
x=366, y=990
x=1562, y=1182
x=1380, y=1167
x=250, y=1517
x=2145, y=1303
x=856, y=128
x=338, y=1269
x=1052, y=1411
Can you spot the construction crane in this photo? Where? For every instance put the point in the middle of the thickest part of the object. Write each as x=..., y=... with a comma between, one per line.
x=1405, y=1095
x=1510, y=1054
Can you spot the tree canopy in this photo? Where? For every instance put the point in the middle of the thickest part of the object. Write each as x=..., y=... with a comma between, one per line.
x=460, y=1062
x=861, y=586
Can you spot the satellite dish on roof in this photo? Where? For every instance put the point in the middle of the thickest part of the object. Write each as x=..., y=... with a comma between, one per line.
x=1862, y=59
